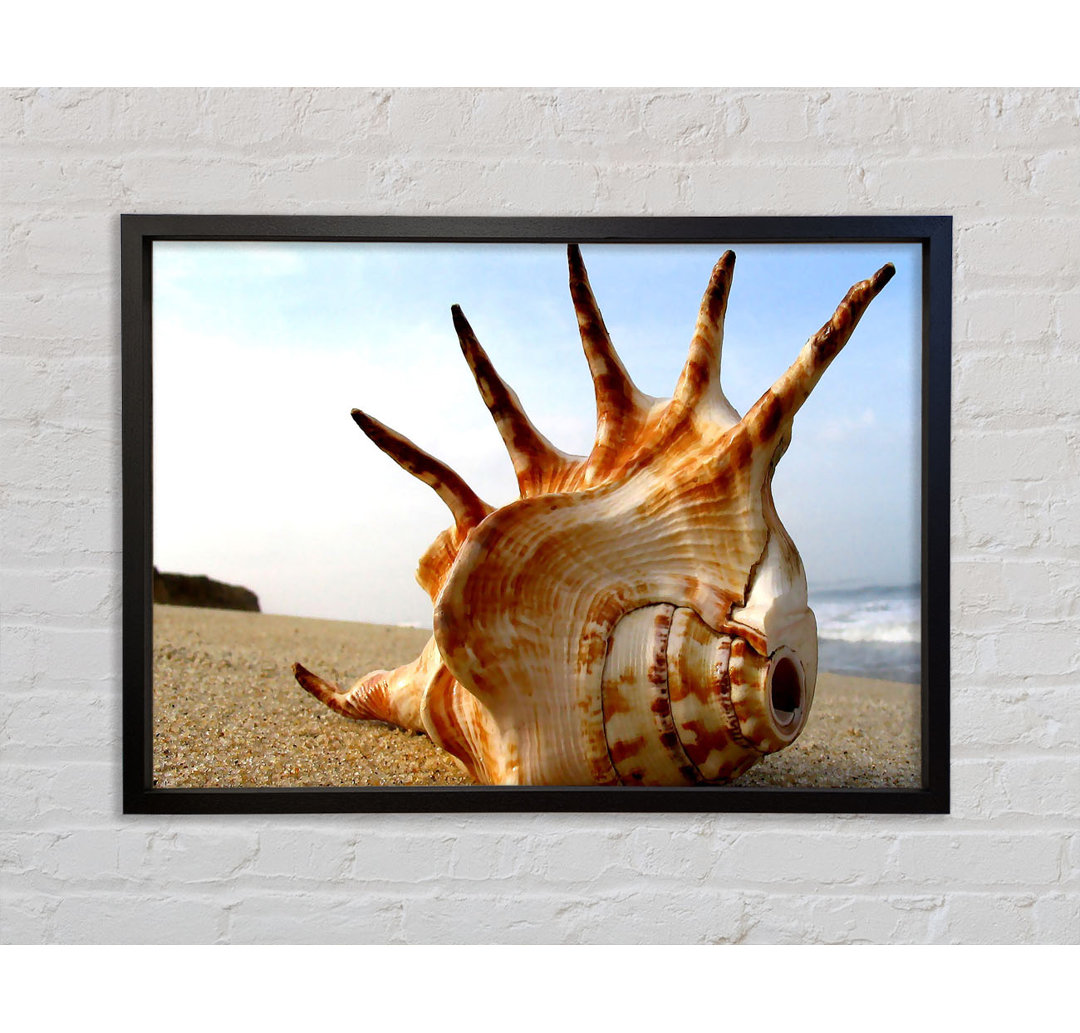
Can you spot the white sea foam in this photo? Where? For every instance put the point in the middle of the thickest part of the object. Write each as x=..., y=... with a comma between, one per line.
x=868, y=615
x=870, y=631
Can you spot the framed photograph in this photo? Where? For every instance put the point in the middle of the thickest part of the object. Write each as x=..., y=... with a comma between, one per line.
x=536, y=514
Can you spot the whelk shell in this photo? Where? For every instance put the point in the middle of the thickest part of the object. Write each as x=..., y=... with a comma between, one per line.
x=639, y=615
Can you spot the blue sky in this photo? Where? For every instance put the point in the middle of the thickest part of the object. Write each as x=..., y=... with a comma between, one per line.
x=261, y=350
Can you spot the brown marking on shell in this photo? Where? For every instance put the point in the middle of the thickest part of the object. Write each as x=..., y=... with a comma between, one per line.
x=698, y=685
x=747, y=672
x=622, y=750
x=636, y=707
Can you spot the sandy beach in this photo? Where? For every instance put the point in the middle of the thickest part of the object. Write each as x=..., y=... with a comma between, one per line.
x=227, y=712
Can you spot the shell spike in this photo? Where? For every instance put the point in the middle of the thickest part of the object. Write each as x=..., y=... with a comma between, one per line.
x=468, y=508
x=617, y=397
x=324, y=691
x=530, y=452
x=699, y=383
x=772, y=414
x=392, y=696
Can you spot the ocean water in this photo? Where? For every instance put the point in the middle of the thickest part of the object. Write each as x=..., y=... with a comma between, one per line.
x=872, y=631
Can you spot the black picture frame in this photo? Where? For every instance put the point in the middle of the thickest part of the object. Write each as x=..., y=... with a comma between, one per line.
x=138, y=234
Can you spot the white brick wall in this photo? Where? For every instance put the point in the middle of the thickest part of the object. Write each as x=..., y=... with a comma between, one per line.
x=1001, y=867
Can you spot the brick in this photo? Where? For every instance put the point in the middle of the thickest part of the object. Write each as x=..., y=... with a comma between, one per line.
x=68, y=531
x=434, y=121
x=771, y=117
x=309, y=918
x=1029, y=716
x=996, y=587
x=74, y=247
x=11, y=111
x=62, y=391
x=978, y=859
x=333, y=120
x=975, y=918
x=659, y=188
x=755, y=189
x=1053, y=177
x=326, y=180
x=1024, y=120
x=28, y=918
x=1023, y=384
x=37, y=181
x=574, y=856
x=1006, y=520
x=789, y=857
x=975, y=785
x=67, y=723
x=483, y=857
x=1057, y=918
x=537, y=117
x=249, y=116
x=1066, y=307
x=1064, y=527
x=862, y=118
x=691, y=125
x=43, y=457
x=410, y=858
x=1015, y=457
x=180, y=857
x=574, y=116
x=85, y=854
x=981, y=180
x=41, y=795
x=35, y=324
x=569, y=185
x=200, y=182
x=1040, y=252
x=64, y=116
x=60, y=656
x=96, y=919
x=1072, y=860
x=1044, y=650
x=675, y=852
x=531, y=918
x=1045, y=787
x=62, y=593
x=301, y=855
x=834, y=919
x=1003, y=317
x=693, y=914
